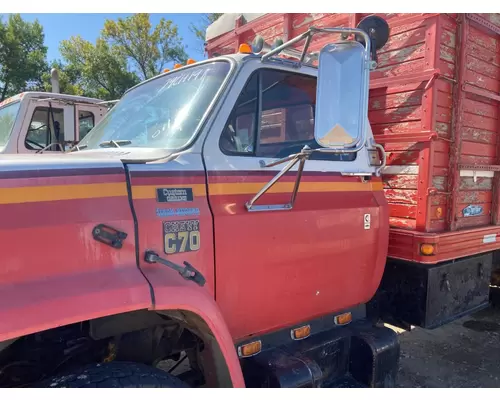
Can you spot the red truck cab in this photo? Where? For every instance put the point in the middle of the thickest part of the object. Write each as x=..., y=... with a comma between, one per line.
x=433, y=106
x=175, y=226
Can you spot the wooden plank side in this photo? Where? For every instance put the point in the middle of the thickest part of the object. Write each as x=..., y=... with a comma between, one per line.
x=401, y=196
x=407, y=157
x=478, y=149
x=480, y=183
x=403, y=127
x=394, y=100
x=395, y=115
x=402, y=223
x=407, y=211
x=400, y=181
x=480, y=122
x=479, y=135
x=483, y=39
x=480, y=106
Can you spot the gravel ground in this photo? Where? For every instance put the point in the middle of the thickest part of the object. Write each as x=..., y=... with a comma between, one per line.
x=461, y=354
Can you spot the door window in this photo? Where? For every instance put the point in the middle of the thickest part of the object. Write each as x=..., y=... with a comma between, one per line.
x=86, y=121
x=274, y=118
x=46, y=127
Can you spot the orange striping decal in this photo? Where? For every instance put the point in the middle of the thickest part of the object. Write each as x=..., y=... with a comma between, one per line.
x=287, y=187
x=33, y=194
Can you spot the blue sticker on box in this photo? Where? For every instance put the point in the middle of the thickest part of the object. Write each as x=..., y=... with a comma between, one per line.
x=472, y=211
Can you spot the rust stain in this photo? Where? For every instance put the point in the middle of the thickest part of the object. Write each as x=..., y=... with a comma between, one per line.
x=439, y=182
x=439, y=200
x=446, y=53
x=443, y=129
x=478, y=135
x=481, y=183
x=469, y=197
x=448, y=38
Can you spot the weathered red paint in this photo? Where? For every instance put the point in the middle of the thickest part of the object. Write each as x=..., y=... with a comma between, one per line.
x=434, y=104
x=51, y=214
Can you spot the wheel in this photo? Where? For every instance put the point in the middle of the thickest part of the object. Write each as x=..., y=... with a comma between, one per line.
x=114, y=375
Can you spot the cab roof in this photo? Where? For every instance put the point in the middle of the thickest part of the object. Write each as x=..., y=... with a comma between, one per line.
x=50, y=95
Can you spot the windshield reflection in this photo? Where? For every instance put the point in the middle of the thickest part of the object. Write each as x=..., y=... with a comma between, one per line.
x=162, y=113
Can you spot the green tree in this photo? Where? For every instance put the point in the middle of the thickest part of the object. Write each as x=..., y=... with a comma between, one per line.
x=200, y=29
x=99, y=70
x=148, y=48
x=22, y=55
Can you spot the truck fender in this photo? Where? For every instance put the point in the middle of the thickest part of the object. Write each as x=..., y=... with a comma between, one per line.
x=196, y=307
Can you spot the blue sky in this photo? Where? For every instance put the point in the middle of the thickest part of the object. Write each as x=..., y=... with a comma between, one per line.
x=58, y=27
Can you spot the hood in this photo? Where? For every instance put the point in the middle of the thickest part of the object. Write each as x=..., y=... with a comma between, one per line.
x=108, y=156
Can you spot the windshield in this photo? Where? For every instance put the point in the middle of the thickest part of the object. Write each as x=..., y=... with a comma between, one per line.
x=162, y=113
x=8, y=116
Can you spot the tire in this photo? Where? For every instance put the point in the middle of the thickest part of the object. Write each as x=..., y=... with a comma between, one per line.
x=114, y=375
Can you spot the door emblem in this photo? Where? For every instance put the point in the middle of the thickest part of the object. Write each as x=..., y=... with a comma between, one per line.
x=174, y=195
x=181, y=236
x=367, y=221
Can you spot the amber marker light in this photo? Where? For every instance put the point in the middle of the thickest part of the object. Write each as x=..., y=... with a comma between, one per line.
x=245, y=48
x=343, y=319
x=301, y=333
x=427, y=249
x=250, y=349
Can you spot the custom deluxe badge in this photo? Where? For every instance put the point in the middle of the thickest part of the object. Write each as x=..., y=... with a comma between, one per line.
x=174, y=195
x=181, y=236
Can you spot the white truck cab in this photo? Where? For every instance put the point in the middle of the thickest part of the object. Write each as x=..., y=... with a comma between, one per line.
x=32, y=122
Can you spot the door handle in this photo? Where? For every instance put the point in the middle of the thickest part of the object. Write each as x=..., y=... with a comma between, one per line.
x=188, y=272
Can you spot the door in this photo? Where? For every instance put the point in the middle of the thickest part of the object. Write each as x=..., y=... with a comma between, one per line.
x=276, y=268
x=48, y=126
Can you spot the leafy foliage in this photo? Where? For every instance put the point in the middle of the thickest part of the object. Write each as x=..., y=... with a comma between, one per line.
x=99, y=70
x=149, y=48
x=128, y=50
x=200, y=29
x=22, y=55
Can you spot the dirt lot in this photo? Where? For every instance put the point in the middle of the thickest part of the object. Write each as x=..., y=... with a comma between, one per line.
x=464, y=353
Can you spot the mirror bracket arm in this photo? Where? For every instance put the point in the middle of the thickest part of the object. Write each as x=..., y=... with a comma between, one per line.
x=293, y=159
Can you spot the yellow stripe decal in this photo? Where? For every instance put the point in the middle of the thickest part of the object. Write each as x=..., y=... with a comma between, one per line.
x=287, y=187
x=33, y=194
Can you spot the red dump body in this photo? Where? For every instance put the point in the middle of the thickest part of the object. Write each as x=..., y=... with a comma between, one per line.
x=434, y=106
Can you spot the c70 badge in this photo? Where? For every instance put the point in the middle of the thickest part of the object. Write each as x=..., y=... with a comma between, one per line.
x=181, y=236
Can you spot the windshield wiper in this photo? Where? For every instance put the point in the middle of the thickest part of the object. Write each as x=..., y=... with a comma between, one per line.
x=115, y=143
